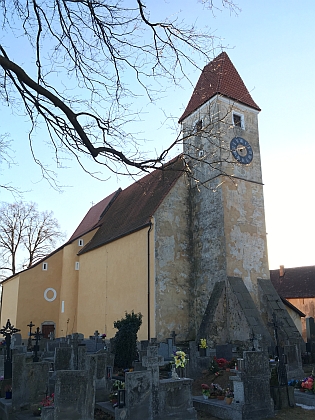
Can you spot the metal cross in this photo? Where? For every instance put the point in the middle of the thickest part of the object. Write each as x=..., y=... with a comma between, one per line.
x=37, y=336
x=29, y=341
x=7, y=331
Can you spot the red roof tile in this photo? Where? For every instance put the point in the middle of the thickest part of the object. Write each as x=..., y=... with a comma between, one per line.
x=133, y=208
x=219, y=77
x=92, y=218
x=297, y=282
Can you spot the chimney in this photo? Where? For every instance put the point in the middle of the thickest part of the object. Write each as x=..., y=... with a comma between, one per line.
x=281, y=271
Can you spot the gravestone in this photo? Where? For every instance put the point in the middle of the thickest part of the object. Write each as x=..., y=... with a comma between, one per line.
x=138, y=397
x=78, y=352
x=104, y=367
x=74, y=395
x=29, y=382
x=197, y=364
x=175, y=400
x=294, y=362
x=252, y=386
x=152, y=361
x=166, y=350
x=224, y=351
x=16, y=340
x=68, y=358
x=310, y=333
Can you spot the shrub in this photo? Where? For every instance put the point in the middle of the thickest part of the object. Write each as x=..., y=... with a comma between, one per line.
x=126, y=339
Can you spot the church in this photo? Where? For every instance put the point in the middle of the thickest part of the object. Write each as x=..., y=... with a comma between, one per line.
x=184, y=246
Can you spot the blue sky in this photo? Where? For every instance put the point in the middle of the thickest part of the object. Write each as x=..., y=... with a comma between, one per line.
x=271, y=44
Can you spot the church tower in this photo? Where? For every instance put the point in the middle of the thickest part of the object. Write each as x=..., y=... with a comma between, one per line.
x=233, y=300
x=221, y=145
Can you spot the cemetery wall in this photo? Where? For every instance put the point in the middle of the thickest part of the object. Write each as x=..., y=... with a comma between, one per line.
x=173, y=279
x=114, y=279
x=69, y=285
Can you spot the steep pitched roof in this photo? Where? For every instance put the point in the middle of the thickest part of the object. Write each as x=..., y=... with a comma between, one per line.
x=93, y=216
x=297, y=282
x=219, y=77
x=133, y=208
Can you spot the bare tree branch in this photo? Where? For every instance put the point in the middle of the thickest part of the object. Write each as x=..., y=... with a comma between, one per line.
x=24, y=229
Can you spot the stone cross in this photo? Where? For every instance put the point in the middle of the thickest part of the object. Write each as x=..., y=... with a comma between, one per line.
x=96, y=335
x=7, y=331
x=152, y=361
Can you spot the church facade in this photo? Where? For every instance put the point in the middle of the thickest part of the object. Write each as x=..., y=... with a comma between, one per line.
x=185, y=246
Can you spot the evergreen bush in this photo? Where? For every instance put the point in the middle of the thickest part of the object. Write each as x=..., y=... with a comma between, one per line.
x=126, y=339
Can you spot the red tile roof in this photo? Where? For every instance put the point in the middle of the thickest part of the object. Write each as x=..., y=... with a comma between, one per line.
x=219, y=77
x=92, y=218
x=297, y=282
x=133, y=208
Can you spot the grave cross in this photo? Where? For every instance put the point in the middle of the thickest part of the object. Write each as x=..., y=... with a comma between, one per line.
x=96, y=334
x=173, y=336
x=152, y=361
x=37, y=336
x=7, y=331
x=29, y=341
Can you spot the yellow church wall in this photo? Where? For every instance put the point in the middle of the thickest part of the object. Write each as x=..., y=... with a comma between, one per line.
x=113, y=279
x=10, y=293
x=69, y=286
x=35, y=284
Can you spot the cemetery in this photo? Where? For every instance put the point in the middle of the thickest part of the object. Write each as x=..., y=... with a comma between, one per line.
x=76, y=378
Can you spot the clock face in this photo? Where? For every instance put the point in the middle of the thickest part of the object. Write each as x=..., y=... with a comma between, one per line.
x=241, y=150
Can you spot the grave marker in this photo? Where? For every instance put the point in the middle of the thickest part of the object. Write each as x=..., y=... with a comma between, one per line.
x=224, y=351
x=37, y=338
x=152, y=361
x=29, y=341
x=138, y=397
x=7, y=331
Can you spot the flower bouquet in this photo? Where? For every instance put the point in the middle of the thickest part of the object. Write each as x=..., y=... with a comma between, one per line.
x=180, y=359
x=308, y=384
x=205, y=391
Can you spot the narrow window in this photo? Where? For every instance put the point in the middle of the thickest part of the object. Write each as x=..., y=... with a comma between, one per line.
x=238, y=120
x=200, y=153
x=80, y=242
x=62, y=306
x=45, y=266
x=198, y=126
x=77, y=265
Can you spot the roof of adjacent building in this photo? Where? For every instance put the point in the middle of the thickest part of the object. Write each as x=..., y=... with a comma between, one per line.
x=133, y=208
x=219, y=77
x=297, y=282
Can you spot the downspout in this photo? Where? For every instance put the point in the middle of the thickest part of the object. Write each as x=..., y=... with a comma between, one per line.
x=149, y=315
